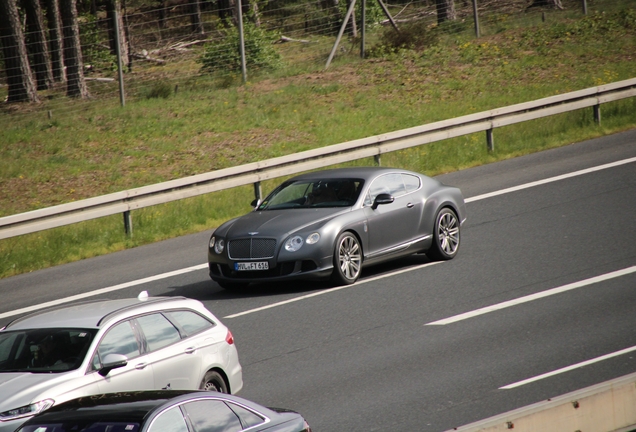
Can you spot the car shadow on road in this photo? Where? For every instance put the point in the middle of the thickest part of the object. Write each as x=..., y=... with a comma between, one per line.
x=209, y=290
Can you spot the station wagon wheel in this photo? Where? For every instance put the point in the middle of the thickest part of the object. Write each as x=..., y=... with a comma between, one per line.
x=446, y=236
x=347, y=259
x=213, y=381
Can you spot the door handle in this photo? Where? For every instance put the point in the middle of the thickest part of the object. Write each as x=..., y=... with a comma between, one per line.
x=140, y=366
x=190, y=350
x=410, y=205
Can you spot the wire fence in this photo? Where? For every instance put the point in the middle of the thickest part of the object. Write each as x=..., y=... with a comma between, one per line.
x=176, y=44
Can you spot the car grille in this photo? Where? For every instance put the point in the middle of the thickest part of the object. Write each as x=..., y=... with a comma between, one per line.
x=252, y=248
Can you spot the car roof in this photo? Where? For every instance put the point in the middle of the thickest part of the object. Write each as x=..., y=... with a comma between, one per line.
x=364, y=173
x=129, y=407
x=132, y=406
x=93, y=313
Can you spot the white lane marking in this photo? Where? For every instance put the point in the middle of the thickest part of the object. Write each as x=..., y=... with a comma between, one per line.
x=104, y=290
x=568, y=368
x=295, y=299
x=550, y=180
x=535, y=296
x=201, y=266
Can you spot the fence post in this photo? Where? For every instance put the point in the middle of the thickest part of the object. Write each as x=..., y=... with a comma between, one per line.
x=128, y=227
x=258, y=191
x=597, y=114
x=239, y=7
x=120, y=73
x=584, y=7
x=476, y=15
x=363, y=13
x=490, y=140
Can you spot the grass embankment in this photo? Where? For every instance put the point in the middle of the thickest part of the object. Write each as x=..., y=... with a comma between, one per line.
x=101, y=148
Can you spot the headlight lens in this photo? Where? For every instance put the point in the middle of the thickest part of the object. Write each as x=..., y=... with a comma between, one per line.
x=294, y=243
x=219, y=246
x=27, y=410
x=212, y=240
x=313, y=238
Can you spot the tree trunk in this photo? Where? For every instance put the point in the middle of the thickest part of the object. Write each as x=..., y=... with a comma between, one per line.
x=196, y=24
x=36, y=44
x=333, y=11
x=113, y=6
x=55, y=40
x=445, y=11
x=556, y=4
x=16, y=62
x=75, y=84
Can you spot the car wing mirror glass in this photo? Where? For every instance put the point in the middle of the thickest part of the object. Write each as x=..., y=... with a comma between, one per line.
x=255, y=203
x=112, y=361
x=381, y=199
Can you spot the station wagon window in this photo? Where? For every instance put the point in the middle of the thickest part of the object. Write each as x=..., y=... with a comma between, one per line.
x=190, y=322
x=120, y=339
x=212, y=415
x=158, y=330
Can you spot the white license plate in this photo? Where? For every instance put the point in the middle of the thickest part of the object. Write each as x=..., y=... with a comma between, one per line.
x=246, y=266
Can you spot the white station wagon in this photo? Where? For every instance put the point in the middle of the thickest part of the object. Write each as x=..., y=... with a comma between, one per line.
x=109, y=346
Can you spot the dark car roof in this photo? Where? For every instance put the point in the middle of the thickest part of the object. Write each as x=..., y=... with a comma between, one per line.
x=364, y=173
x=131, y=407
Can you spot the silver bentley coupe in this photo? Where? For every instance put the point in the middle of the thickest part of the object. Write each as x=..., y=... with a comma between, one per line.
x=329, y=224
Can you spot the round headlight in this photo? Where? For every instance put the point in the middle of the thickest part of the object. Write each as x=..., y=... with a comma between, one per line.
x=294, y=243
x=212, y=240
x=219, y=246
x=313, y=238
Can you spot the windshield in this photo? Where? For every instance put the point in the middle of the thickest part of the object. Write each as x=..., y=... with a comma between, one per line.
x=314, y=193
x=43, y=350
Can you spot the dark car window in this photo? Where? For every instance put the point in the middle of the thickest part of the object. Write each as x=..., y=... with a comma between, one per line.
x=159, y=332
x=314, y=193
x=43, y=350
x=411, y=182
x=248, y=418
x=212, y=416
x=120, y=339
x=190, y=322
x=169, y=421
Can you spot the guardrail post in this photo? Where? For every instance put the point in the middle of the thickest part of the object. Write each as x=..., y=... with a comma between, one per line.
x=597, y=114
x=377, y=160
x=258, y=191
x=128, y=227
x=490, y=140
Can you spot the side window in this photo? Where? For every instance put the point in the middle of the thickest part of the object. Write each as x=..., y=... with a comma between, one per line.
x=411, y=182
x=120, y=339
x=378, y=186
x=396, y=185
x=190, y=322
x=158, y=330
x=169, y=421
x=248, y=418
x=212, y=415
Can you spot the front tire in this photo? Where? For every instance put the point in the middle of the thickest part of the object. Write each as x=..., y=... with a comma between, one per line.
x=213, y=381
x=446, y=236
x=347, y=259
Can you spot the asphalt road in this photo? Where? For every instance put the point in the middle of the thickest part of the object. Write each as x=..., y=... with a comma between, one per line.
x=557, y=255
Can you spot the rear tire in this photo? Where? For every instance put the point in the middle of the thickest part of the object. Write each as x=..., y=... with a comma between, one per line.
x=347, y=259
x=446, y=236
x=213, y=381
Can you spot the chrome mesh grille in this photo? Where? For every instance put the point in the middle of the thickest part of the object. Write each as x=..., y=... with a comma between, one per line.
x=252, y=248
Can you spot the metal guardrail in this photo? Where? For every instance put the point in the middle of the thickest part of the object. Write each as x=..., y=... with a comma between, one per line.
x=125, y=201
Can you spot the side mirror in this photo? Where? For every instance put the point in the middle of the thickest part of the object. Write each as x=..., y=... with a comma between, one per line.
x=255, y=203
x=112, y=361
x=381, y=199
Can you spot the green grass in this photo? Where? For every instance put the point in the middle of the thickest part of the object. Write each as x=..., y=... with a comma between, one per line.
x=96, y=147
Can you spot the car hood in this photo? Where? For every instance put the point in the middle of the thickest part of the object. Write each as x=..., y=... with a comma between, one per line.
x=19, y=389
x=279, y=223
